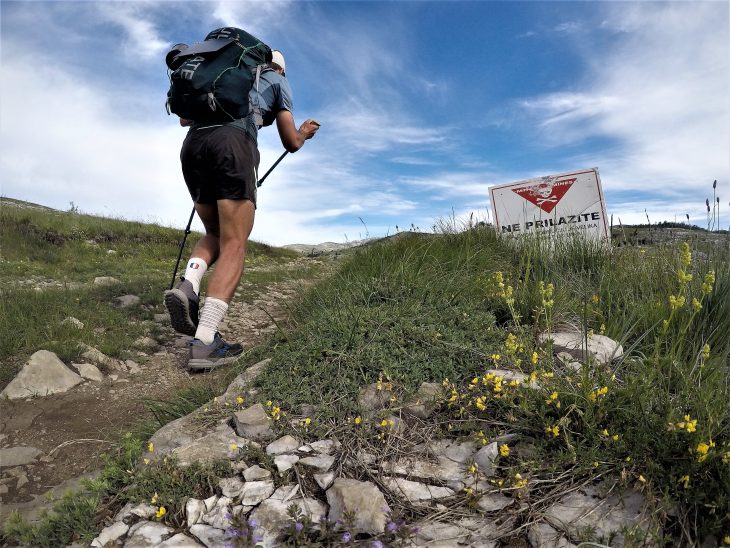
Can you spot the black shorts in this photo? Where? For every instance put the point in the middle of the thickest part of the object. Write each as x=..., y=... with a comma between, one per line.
x=220, y=163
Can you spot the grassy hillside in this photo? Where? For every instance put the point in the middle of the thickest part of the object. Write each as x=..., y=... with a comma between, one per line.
x=47, y=268
x=445, y=308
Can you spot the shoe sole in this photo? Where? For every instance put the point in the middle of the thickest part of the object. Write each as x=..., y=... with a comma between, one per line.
x=178, y=307
x=201, y=364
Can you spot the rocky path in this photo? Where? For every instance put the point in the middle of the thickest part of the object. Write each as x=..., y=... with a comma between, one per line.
x=48, y=443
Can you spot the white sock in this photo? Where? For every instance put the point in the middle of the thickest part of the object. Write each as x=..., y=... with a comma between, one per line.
x=212, y=314
x=194, y=272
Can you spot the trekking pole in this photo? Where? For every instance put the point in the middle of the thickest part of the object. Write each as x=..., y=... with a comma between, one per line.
x=192, y=214
x=261, y=181
x=182, y=246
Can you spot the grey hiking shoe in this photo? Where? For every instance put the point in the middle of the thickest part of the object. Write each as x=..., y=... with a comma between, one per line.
x=182, y=304
x=215, y=354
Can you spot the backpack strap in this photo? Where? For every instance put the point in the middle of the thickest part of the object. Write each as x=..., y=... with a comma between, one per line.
x=256, y=106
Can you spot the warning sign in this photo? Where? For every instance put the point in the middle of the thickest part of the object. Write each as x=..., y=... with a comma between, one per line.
x=554, y=203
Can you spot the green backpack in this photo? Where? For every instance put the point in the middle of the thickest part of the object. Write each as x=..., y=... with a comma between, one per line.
x=210, y=81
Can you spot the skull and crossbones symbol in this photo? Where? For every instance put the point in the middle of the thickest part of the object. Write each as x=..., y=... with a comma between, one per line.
x=543, y=192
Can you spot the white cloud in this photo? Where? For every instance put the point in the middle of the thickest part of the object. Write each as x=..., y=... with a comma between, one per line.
x=659, y=98
x=142, y=38
x=257, y=17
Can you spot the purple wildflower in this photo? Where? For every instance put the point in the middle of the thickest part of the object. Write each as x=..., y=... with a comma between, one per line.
x=298, y=526
x=252, y=523
x=376, y=544
x=391, y=527
x=346, y=537
x=233, y=532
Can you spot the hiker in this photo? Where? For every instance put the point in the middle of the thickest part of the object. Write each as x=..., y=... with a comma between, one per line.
x=220, y=163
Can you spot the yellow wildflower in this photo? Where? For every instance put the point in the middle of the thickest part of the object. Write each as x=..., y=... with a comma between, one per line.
x=150, y=447
x=685, y=256
x=511, y=344
x=146, y=461
x=496, y=357
x=473, y=468
x=703, y=449
x=708, y=283
x=683, y=277
x=553, y=430
x=239, y=400
x=534, y=359
x=602, y=329
x=154, y=498
x=685, y=480
x=358, y=420
x=726, y=539
x=676, y=302
x=696, y=305
x=642, y=479
x=504, y=450
x=595, y=299
x=160, y=512
x=706, y=352
x=615, y=437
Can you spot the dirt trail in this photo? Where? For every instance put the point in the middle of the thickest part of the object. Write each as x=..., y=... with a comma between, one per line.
x=74, y=428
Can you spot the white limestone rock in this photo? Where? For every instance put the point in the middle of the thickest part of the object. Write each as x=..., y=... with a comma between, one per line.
x=285, y=462
x=44, y=374
x=194, y=510
x=73, y=322
x=285, y=444
x=324, y=480
x=18, y=456
x=181, y=540
x=219, y=515
x=608, y=518
x=146, y=533
x=271, y=516
x=255, y=472
x=424, y=400
x=253, y=423
x=486, y=458
x=254, y=492
x=415, y=492
x=110, y=534
x=494, y=502
x=542, y=535
x=361, y=497
x=211, y=537
x=144, y=510
x=600, y=348
x=106, y=280
x=89, y=371
x=231, y=487
x=321, y=463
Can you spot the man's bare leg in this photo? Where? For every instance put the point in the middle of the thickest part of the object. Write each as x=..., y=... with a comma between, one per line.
x=235, y=222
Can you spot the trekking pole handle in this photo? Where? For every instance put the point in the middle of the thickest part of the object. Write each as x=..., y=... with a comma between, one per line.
x=261, y=181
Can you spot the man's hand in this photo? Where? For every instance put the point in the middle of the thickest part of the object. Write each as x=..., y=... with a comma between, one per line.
x=292, y=138
x=309, y=128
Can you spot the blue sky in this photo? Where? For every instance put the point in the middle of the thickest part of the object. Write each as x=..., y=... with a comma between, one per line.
x=423, y=106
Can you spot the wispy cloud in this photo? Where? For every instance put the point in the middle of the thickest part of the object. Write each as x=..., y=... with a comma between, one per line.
x=142, y=39
x=659, y=97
